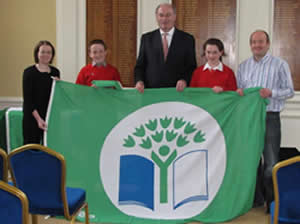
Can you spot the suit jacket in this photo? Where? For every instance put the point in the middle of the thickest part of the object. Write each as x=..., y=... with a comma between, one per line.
x=154, y=71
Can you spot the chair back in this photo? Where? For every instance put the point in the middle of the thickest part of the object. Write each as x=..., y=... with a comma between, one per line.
x=13, y=205
x=40, y=173
x=3, y=165
x=286, y=179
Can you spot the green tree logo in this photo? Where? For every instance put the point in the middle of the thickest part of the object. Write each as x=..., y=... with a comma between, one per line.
x=162, y=131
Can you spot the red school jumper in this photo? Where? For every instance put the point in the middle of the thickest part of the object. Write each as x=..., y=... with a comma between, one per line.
x=210, y=78
x=90, y=72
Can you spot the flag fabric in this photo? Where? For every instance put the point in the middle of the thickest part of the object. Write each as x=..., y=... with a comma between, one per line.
x=14, y=132
x=159, y=157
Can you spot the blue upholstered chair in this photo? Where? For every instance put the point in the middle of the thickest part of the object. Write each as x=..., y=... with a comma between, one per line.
x=286, y=179
x=13, y=205
x=3, y=165
x=41, y=174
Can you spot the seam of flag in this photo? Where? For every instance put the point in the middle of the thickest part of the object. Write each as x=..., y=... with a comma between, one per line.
x=49, y=109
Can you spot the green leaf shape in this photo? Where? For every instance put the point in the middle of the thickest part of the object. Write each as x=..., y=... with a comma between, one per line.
x=170, y=135
x=140, y=132
x=129, y=142
x=146, y=144
x=178, y=123
x=199, y=137
x=158, y=136
x=165, y=122
x=181, y=141
x=152, y=125
x=189, y=128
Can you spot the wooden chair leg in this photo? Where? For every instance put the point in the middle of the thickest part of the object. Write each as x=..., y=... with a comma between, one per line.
x=86, y=211
x=87, y=221
x=34, y=219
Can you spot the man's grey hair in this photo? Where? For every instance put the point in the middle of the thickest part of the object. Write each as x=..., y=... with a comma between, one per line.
x=173, y=7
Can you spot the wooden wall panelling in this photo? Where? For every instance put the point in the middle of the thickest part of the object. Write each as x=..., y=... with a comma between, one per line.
x=115, y=22
x=206, y=19
x=286, y=35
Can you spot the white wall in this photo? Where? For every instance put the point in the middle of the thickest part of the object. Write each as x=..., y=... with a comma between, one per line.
x=70, y=37
x=252, y=15
x=290, y=121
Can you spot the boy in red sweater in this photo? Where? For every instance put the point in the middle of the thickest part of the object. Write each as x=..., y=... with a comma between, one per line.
x=98, y=69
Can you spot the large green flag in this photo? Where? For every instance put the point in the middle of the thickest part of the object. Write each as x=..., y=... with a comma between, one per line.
x=162, y=156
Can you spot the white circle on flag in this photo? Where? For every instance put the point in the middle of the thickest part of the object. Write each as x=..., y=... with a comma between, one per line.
x=193, y=177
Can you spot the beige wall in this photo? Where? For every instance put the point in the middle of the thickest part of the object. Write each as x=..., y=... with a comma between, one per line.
x=22, y=24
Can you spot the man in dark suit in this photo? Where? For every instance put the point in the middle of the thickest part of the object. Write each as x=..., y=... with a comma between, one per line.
x=167, y=55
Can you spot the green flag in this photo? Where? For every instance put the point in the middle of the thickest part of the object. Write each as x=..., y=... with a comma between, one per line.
x=162, y=156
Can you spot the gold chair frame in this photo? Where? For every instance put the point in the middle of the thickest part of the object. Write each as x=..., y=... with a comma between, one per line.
x=5, y=166
x=61, y=158
x=275, y=183
x=20, y=194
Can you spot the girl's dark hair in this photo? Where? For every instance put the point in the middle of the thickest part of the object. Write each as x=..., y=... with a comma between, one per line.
x=37, y=48
x=216, y=42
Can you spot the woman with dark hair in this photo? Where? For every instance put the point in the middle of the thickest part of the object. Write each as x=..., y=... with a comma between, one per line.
x=214, y=74
x=37, y=82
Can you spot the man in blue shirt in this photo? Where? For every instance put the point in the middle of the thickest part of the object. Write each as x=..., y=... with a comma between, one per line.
x=274, y=76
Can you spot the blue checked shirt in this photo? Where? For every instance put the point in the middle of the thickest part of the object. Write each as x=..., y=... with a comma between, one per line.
x=270, y=72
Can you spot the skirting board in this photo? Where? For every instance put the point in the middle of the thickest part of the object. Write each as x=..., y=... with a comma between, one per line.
x=6, y=102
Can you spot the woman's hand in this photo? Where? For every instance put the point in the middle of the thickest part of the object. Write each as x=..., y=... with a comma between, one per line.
x=41, y=123
x=55, y=78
